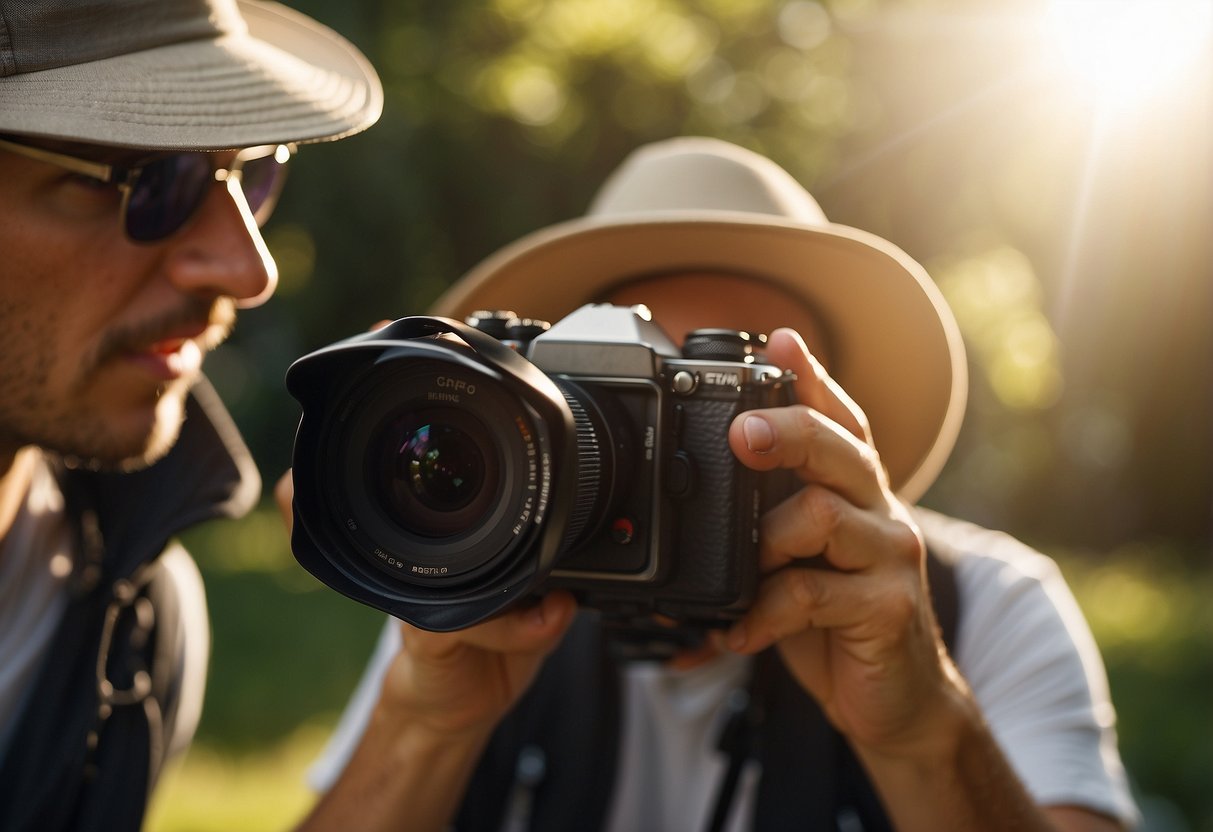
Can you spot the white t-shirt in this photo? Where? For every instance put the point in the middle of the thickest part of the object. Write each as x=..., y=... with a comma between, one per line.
x=1023, y=646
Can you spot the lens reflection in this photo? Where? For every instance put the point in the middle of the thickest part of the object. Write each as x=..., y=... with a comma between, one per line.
x=442, y=466
x=431, y=471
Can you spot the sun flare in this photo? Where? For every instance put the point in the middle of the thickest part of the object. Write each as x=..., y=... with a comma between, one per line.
x=1125, y=51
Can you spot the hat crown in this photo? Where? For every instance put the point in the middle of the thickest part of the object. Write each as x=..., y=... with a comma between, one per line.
x=704, y=175
x=36, y=35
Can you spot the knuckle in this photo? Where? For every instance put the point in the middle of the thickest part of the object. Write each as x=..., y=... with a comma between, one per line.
x=803, y=414
x=823, y=507
x=902, y=597
x=870, y=459
x=907, y=544
x=808, y=591
x=428, y=647
x=808, y=430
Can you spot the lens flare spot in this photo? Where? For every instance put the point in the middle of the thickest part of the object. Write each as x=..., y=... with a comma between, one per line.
x=1124, y=51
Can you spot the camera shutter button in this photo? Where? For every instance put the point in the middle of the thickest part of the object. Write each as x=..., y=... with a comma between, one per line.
x=684, y=383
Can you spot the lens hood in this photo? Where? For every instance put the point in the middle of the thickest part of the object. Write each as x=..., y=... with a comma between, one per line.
x=347, y=541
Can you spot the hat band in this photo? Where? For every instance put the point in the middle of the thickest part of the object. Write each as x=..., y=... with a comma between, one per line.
x=36, y=35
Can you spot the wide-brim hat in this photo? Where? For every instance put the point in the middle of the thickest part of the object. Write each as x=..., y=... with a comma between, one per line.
x=202, y=75
x=700, y=205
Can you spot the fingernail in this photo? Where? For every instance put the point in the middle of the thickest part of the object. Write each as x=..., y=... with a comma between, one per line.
x=759, y=437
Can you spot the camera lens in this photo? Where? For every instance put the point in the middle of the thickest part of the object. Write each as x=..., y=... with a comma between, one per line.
x=440, y=476
x=433, y=472
x=430, y=470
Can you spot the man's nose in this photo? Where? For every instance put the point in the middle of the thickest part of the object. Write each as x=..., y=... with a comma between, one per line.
x=222, y=253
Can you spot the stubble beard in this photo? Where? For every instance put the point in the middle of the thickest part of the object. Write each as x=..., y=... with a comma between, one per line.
x=87, y=439
x=102, y=449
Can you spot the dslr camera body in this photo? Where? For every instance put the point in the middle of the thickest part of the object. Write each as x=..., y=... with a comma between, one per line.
x=443, y=474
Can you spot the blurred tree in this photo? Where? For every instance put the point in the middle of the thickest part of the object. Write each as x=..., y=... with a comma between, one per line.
x=1077, y=256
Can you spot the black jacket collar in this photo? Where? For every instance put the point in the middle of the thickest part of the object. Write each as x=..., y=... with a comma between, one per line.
x=207, y=474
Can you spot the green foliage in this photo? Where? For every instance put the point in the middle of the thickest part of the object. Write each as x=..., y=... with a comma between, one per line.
x=216, y=790
x=926, y=122
x=285, y=650
x=1152, y=619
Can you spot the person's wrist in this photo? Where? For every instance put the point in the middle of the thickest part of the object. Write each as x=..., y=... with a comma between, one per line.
x=941, y=727
x=411, y=732
x=422, y=741
x=403, y=768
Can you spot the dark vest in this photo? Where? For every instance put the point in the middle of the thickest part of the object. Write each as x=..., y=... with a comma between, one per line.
x=90, y=741
x=550, y=766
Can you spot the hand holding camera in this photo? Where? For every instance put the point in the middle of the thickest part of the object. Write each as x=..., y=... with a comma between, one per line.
x=860, y=636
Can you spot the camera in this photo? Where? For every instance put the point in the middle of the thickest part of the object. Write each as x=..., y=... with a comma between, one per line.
x=446, y=470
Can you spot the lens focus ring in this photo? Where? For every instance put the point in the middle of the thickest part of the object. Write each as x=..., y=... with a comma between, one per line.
x=590, y=470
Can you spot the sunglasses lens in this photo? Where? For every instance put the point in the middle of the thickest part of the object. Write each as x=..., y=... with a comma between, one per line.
x=261, y=181
x=166, y=194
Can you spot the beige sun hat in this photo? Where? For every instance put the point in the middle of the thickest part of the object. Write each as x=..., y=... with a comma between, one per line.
x=694, y=205
x=175, y=75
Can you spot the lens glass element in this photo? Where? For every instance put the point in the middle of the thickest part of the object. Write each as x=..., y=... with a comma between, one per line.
x=433, y=470
x=442, y=467
x=437, y=471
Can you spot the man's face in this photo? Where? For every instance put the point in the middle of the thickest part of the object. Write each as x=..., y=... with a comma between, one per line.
x=101, y=337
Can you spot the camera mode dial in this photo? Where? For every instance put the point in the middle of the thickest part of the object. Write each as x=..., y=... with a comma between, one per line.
x=507, y=327
x=495, y=322
x=722, y=345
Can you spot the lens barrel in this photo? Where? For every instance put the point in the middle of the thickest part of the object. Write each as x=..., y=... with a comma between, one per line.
x=439, y=478
x=594, y=463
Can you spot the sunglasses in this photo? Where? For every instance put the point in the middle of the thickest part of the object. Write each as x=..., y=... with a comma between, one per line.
x=159, y=197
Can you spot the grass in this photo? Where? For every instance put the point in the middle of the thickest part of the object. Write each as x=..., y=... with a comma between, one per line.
x=216, y=789
x=286, y=653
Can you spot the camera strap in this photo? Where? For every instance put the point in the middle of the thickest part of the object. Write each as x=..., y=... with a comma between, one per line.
x=739, y=737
